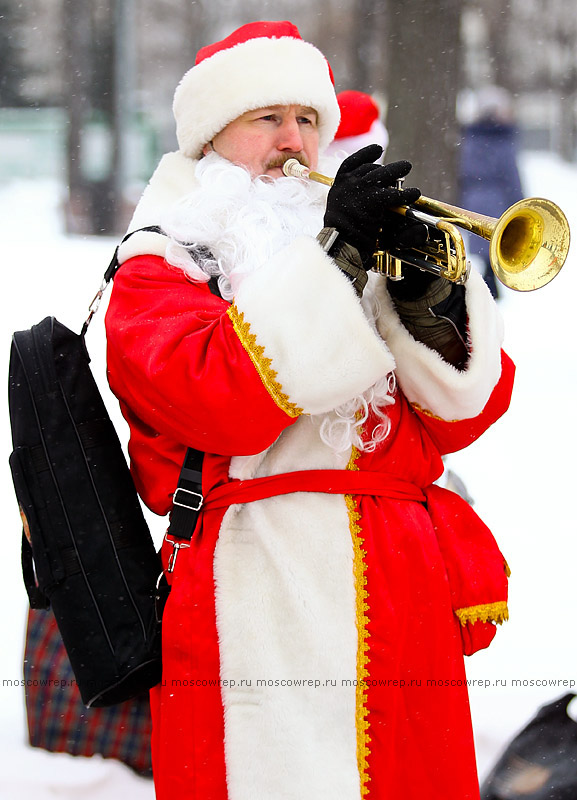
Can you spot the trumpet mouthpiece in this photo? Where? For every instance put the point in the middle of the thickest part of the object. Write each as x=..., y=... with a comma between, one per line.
x=294, y=169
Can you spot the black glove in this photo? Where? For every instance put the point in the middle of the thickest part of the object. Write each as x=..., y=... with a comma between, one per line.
x=359, y=197
x=401, y=232
x=415, y=284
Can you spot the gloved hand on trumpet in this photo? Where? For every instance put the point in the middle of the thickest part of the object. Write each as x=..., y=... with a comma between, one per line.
x=359, y=197
x=358, y=207
x=359, y=211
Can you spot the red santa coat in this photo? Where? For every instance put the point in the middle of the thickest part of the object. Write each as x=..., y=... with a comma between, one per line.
x=312, y=645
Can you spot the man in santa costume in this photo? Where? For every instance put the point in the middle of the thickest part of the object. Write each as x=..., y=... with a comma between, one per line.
x=314, y=635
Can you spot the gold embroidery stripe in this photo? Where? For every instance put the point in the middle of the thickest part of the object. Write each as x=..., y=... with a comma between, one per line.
x=428, y=413
x=263, y=364
x=362, y=620
x=495, y=612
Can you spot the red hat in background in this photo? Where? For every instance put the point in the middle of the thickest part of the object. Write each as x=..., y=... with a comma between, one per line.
x=360, y=123
x=260, y=64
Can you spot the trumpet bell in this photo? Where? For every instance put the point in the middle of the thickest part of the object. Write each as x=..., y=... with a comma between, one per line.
x=529, y=244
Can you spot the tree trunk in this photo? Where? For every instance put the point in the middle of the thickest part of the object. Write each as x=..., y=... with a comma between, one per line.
x=76, y=23
x=567, y=141
x=124, y=91
x=362, y=39
x=499, y=21
x=423, y=79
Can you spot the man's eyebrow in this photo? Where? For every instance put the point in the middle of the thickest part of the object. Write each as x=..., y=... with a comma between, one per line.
x=273, y=109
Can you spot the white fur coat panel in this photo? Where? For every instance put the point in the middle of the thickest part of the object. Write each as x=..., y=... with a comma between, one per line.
x=284, y=584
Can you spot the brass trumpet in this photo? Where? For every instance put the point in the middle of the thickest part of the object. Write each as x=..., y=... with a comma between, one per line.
x=528, y=244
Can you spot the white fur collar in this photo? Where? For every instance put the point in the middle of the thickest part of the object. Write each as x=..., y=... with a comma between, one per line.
x=173, y=179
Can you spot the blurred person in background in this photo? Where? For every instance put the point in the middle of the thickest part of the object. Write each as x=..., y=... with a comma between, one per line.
x=314, y=634
x=489, y=180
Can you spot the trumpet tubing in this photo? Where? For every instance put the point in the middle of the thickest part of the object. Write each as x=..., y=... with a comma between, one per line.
x=528, y=243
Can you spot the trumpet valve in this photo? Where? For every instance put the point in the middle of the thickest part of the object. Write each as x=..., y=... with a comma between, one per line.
x=388, y=265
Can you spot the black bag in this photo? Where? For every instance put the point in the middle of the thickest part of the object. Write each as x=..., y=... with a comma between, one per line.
x=86, y=548
x=541, y=761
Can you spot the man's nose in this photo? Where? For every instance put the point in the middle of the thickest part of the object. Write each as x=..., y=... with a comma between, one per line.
x=289, y=136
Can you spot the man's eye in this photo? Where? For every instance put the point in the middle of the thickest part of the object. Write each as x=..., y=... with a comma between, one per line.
x=306, y=120
x=268, y=118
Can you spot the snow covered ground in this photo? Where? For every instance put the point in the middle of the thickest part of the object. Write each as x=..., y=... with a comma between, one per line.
x=521, y=476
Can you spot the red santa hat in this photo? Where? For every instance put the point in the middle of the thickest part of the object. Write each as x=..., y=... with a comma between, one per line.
x=260, y=64
x=360, y=123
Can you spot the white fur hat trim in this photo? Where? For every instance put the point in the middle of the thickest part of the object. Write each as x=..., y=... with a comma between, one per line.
x=253, y=74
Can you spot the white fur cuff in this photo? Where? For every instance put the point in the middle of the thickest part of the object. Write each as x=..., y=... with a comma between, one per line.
x=429, y=381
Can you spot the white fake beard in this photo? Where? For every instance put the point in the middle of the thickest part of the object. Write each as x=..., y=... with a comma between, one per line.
x=240, y=221
x=230, y=225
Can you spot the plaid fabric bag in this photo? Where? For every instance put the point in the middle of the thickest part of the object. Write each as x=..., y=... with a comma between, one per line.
x=59, y=721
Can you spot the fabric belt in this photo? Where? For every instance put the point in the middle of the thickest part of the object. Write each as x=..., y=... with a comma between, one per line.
x=329, y=481
x=185, y=513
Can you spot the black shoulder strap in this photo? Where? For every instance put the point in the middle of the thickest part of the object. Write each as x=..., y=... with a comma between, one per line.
x=111, y=271
x=214, y=287
x=114, y=266
x=187, y=499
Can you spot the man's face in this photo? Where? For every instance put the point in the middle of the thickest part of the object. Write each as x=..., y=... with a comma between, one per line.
x=264, y=139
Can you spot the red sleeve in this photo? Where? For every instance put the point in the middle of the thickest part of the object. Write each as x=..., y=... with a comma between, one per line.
x=450, y=436
x=176, y=362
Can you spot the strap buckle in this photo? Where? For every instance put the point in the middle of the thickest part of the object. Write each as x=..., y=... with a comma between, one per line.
x=176, y=548
x=185, y=502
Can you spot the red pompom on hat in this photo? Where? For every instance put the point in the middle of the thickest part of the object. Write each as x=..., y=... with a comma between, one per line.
x=360, y=124
x=259, y=65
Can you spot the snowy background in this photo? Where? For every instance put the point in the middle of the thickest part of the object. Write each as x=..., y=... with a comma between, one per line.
x=521, y=476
